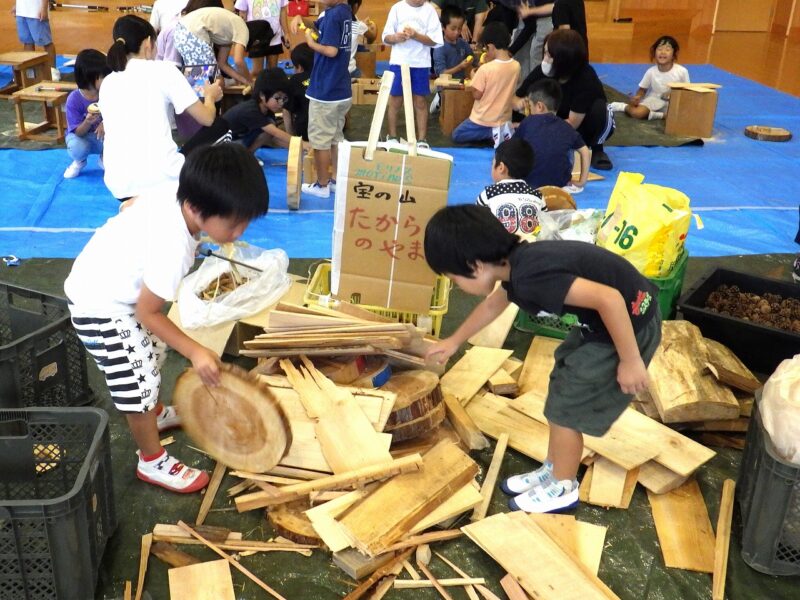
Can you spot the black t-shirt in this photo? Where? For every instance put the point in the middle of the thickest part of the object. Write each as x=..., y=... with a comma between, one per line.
x=298, y=103
x=578, y=93
x=572, y=13
x=246, y=118
x=543, y=272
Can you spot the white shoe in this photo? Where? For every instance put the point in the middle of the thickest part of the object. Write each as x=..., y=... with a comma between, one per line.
x=518, y=484
x=655, y=115
x=74, y=169
x=557, y=496
x=573, y=189
x=435, y=104
x=423, y=145
x=617, y=106
x=55, y=74
x=171, y=474
x=168, y=419
x=315, y=189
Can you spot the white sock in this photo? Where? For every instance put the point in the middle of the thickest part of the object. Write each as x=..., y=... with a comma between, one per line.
x=617, y=106
x=654, y=115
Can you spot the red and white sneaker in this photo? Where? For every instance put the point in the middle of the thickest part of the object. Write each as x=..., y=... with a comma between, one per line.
x=171, y=474
x=168, y=419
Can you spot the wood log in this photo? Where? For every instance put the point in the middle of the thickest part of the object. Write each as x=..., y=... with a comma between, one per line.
x=681, y=387
x=290, y=521
x=417, y=391
x=169, y=554
x=418, y=427
x=239, y=423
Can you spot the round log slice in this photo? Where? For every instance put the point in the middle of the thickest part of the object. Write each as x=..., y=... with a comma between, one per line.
x=289, y=520
x=767, y=134
x=418, y=393
x=239, y=422
x=418, y=427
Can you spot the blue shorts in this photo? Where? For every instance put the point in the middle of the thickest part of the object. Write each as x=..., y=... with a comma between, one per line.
x=33, y=31
x=420, y=84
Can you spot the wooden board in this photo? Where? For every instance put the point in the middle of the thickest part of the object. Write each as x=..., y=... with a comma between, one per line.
x=538, y=363
x=513, y=589
x=723, y=540
x=680, y=384
x=549, y=573
x=401, y=502
x=470, y=373
x=503, y=384
x=204, y=581
x=584, y=540
x=468, y=431
x=290, y=521
x=490, y=480
x=239, y=423
x=495, y=333
x=608, y=483
x=323, y=519
x=358, y=566
x=294, y=172
x=468, y=497
x=659, y=479
x=683, y=527
x=172, y=556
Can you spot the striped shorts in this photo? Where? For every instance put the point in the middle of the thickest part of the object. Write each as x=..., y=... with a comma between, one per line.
x=130, y=357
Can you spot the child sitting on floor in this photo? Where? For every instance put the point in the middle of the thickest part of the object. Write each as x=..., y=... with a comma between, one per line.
x=84, y=123
x=553, y=140
x=652, y=98
x=132, y=266
x=598, y=367
x=493, y=88
x=515, y=204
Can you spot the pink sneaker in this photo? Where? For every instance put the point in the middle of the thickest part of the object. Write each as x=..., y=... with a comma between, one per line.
x=171, y=474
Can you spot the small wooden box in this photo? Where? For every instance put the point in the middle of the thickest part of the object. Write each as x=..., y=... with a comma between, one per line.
x=365, y=91
x=456, y=105
x=691, y=112
x=366, y=62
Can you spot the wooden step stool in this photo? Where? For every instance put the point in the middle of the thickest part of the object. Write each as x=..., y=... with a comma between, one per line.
x=20, y=62
x=52, y=101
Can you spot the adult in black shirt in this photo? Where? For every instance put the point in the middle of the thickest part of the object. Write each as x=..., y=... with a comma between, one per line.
x=571, y=14
x=584, y=104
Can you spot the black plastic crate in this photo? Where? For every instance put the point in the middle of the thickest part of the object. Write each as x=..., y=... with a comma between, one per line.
x=42, y=361
x=56, y=502
x=760, y=347
x=768, y=492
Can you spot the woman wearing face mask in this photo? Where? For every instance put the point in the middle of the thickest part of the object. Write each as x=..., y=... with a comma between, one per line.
x=584, y=104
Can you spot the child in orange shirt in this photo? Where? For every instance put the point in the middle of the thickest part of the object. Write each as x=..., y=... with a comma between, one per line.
x=493, y=89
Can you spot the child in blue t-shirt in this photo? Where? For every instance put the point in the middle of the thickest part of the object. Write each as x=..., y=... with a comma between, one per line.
x=84, y=123
x=553, y=140
x=454, y=56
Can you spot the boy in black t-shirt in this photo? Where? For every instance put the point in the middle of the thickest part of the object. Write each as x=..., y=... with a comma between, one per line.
x=295, y=113
x=600, y=364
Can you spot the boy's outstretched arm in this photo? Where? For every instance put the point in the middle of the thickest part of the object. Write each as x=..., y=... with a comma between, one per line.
x=204, y=360
x=483, y=314
x=609, y=303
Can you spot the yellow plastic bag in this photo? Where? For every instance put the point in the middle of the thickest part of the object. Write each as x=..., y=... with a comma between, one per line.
x=645, y=223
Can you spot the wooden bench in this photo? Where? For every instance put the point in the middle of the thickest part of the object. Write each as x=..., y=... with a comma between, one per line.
x=21, y=63
x=52, y=96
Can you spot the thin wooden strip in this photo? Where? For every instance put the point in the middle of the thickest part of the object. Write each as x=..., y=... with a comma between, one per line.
x=210, y=493
x=416, y=584
x=470, y=589
x=426, y=538
x=630, y=486
x=683, y=528
x=215, y=534
x=723, y=540
x=147, y=542
x=489, y=482
x=513, y=589
x=128, y=593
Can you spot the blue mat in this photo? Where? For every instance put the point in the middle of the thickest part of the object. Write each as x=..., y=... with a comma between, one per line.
x=742, y=189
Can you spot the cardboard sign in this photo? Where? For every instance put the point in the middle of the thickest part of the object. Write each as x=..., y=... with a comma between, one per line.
x=382, y=208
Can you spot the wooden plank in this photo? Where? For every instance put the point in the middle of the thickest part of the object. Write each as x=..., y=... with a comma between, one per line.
x=466, y=498
x=513, y=366
x=172, y=556
x=416, y=584
x=204, y=581
x=631, y=478
x=490, y=480
x=406, y=464
x=684, y=529
x=659, y=479
x=469, y=374
x=503, y=384
x=147, y=542
x=722, y=356
x=127, y=594
x=230, y=561
x=392, y=567
x=513, y=589
x=733, y=379
x=495, y=333
x=211, y=491
x=358, y=566
x=466, y=428
x=538, y=363
x=384, y=516
x=547, y=574
x=215, y=534
x=723, y=540
x=323, y=519
x=608, y=483
x=425, y=538
x=583, y=540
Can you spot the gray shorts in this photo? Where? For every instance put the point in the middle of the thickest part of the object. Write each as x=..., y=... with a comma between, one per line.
x=584, y=394
x=326, y=123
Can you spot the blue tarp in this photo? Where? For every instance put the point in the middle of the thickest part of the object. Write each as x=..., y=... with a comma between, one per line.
x=744, y=190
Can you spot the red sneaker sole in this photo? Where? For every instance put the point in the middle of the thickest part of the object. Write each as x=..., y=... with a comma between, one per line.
x=199, y=483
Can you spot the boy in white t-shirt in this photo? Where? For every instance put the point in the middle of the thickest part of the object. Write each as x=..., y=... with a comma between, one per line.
x=651, y=100
x=132, y=266
x=412, y=29
x=33, y=29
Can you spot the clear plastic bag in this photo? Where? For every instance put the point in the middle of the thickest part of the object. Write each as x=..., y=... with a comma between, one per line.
x=780, y=409
x=261, y=289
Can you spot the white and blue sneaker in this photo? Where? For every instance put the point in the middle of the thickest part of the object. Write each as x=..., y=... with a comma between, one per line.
x=519, y=484
x=315, y=189
x=557, y=496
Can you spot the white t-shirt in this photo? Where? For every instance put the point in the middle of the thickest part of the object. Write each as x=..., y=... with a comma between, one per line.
x=139, y=152
x=421, y=18
x=265, y=10
x=28, y=8
x=656, y=82
x=148, y=244
x=357, y=29
x=165, y=12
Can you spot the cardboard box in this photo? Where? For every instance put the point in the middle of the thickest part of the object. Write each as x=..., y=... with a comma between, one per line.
x=365, y=91
x=692, y=108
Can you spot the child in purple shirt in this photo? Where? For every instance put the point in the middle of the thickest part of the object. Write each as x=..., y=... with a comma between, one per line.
x=85, y=126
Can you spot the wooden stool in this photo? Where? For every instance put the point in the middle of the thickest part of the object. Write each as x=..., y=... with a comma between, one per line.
x=20, y=62
x=455, y=106
x=52, y=95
